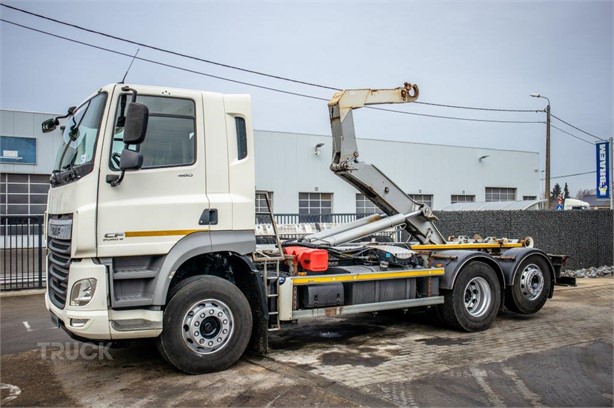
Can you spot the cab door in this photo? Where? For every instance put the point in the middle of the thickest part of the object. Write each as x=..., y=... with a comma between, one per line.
x=156, y=206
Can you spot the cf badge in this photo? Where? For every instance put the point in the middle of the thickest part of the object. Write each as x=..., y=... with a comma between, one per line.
x=113, y=236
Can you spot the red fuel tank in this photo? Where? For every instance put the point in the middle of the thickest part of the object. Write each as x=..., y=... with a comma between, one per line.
x=310, y=259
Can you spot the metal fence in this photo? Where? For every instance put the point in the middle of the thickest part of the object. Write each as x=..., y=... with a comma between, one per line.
x=318, y=222
x=312, y=218
x=22, y=252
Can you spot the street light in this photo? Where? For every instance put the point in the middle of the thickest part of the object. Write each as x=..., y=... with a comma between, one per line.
x=547, y=178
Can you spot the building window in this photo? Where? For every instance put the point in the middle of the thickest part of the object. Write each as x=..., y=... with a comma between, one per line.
x=23, y=194
x=500, y=194
x=261, y=206
x=529, y=198
x=366, y=206
x=423, y=198
x=462, y=198
x=311, y=205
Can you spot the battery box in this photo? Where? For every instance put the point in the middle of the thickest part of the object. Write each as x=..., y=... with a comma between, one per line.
x=324, y=295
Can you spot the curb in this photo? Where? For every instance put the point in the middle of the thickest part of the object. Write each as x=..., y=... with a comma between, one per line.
x=27, y=292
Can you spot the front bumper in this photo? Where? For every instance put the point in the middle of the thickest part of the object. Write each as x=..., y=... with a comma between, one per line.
x=96, y=321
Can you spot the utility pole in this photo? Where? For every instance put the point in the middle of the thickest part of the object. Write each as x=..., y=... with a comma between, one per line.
x=548, y=155
x=611, y=177
x=547, y=166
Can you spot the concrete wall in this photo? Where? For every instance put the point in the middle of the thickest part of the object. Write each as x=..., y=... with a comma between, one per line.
x=586, y=236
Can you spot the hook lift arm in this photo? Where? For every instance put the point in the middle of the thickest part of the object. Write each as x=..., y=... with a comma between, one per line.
x=368, y=179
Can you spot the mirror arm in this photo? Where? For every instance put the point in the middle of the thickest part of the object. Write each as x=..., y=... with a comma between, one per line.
x=114, y=180
x=127, y=88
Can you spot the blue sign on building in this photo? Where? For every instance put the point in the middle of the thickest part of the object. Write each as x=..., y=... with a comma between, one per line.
x=603, y=170
x=17, y=150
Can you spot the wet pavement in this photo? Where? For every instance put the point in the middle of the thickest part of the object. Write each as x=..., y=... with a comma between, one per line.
x=562, y=356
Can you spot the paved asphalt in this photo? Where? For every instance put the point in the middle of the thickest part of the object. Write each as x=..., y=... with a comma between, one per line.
x=562, y=356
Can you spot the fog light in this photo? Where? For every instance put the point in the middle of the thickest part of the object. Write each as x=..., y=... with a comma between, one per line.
x=82, y=292
x=78, y=322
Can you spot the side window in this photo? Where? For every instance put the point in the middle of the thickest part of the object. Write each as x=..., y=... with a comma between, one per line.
x=241, y=138
x=171, y=132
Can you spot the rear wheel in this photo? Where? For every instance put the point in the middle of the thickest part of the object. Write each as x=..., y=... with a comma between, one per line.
x=473, y=303
x=207, y=326
x=531, y=286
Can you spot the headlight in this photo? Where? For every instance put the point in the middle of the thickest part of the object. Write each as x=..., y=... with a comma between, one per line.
x=82, y=292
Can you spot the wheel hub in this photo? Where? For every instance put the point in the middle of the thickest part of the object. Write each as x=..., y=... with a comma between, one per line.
x=477, y=296
x=207, y=326
x=531, y=282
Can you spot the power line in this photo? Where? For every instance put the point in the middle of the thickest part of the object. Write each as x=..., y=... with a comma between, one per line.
x=574, y=136
x=456, y=118
x=572, y=175
x=169, y=51
x=577, y=128
x=278, y=77
x=481, y=109
x=162, y=63
x=252, y=84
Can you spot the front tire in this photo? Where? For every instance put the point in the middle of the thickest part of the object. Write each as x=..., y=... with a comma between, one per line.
x=206, y=327
x=531, y=287
x=473, y=303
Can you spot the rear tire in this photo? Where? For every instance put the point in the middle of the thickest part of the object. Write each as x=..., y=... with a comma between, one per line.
x=531, y=286
x=206, y=327
x=473, y=303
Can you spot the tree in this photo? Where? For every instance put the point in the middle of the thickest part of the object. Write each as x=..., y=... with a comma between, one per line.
x=584, y=193
x=566, y=192
x=555, y=193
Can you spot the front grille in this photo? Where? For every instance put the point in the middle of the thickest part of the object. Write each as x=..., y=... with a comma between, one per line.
x=57, y=270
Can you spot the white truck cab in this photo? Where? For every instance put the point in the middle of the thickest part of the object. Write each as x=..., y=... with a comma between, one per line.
x=196, y=179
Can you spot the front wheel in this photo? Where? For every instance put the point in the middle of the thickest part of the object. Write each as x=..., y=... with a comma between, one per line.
x=206, y=327
x=531, y=286
x=473, y=303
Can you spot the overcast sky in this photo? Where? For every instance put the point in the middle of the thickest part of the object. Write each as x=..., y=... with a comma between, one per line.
x=489, y=54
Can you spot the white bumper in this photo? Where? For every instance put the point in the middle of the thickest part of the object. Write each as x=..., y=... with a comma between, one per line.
x=95, y=320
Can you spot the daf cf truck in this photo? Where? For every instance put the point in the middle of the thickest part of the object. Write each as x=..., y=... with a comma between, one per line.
x=151, y=233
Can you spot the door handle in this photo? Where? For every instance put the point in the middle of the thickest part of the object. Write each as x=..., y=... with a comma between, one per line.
x=208, y=217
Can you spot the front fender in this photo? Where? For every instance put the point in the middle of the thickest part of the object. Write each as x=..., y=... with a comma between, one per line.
x=199, y=243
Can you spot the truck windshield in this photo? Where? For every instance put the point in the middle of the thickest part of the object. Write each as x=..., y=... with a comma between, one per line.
x=80, y=134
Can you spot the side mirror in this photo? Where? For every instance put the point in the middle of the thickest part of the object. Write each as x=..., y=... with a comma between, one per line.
x=137, y=116
x=49, y=125
x=130, y=160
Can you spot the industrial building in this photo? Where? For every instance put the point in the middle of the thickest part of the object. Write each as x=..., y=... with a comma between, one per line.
x=293, y=168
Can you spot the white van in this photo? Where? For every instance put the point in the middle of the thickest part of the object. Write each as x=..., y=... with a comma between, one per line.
x=575, y=204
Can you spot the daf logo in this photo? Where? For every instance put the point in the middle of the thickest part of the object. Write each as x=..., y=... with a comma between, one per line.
x=55, y=230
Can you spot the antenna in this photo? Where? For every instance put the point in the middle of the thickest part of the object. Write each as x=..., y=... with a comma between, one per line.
x=130, y=66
